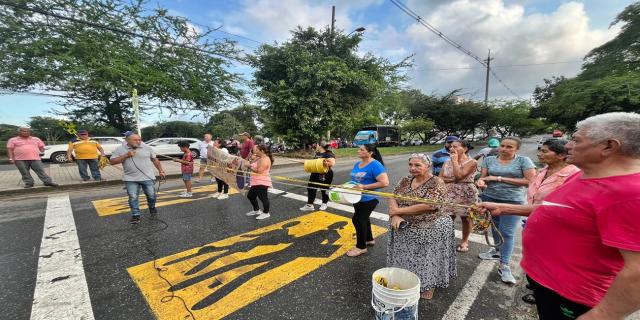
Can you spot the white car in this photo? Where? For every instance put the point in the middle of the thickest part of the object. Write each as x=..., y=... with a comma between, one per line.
x=57, y=153
x=169, y=146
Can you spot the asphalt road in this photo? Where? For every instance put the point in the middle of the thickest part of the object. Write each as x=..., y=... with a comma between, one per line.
x=305, y=282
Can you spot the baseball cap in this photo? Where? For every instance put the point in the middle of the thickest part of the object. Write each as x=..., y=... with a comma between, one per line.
x=493, y=143
x=451, y=139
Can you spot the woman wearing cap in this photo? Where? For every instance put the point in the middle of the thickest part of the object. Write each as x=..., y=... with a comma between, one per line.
x=421, y=238
x=368, y=174
x=458, y=173
x=504, y=179
x=323, y=151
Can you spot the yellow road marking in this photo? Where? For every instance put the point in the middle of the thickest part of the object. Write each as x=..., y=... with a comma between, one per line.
x=107, y=207
x=222, y=277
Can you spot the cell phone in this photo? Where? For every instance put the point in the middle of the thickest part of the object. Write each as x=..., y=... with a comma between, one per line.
x=403, y=225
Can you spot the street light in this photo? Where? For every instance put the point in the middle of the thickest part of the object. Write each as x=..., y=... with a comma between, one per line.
x=360, y=29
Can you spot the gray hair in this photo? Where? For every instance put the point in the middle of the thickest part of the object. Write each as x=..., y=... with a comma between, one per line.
x=422, y=157
x=621, y=126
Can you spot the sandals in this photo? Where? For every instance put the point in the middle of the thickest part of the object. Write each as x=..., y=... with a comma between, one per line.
x=462, y=248
x=427, y=295
x=355, y=251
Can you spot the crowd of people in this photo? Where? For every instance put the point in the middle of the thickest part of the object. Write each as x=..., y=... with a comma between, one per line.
x=581, y=246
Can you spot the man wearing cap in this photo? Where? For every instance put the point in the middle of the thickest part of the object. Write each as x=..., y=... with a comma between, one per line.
x=24, y=151
x=87, y=153
x=491, y=150
x=441, y=156
x=247, y=145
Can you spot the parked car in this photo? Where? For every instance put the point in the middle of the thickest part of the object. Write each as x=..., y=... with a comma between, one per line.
x=169, y=146
x=57, y=153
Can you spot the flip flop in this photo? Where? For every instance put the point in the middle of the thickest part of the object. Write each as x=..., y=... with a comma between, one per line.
x=462, y=248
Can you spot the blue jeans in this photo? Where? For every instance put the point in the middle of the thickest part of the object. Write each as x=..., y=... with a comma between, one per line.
x=93, y=166
x=133, y=190
x=507, y=225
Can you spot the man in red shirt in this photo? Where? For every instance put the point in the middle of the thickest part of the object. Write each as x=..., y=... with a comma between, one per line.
x=581, y=246
x=247, y=145
x=24, y=151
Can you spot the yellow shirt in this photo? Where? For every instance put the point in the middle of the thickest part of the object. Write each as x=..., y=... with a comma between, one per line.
x=85, y=149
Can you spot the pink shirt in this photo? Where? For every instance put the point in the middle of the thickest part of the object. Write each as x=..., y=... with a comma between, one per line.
x=262, y=179
x=25, y=148
x=572, y=240
x=541, y=187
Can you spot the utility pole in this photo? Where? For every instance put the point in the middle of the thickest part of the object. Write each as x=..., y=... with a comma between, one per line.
x=486, y=83
x=333, y=18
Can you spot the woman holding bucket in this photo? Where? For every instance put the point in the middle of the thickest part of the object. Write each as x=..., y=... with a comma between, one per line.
x=323, y=151
x=458, y=174
x=421, y=238
x=368, y=174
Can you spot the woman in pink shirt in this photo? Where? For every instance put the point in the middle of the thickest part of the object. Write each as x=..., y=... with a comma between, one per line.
x=554, y=156
x=260, y=181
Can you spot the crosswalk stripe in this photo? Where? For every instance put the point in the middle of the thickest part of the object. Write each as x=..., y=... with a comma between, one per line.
x=461, y=306
x=61, y=287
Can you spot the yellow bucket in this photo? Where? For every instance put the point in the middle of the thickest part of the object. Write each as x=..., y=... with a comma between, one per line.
x=315, y=166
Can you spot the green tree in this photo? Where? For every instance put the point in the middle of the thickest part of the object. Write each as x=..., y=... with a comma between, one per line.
x=183, y=129
x=512, y=118
x=316, y=81
x=423, y=128
x=171, y=64
x=49, y=129
x=7, y=131
x=228, y=123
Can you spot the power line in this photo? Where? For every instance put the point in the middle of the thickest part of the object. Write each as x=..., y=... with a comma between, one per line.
x=456, y=45
x=499, y=66
x=121, y=31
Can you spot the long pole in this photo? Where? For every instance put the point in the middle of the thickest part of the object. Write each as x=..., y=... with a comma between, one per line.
x=486, y=81
x=136, y=109
x=333, y=18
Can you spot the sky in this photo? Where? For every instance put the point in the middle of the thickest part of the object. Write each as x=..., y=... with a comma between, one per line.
x=530, y=40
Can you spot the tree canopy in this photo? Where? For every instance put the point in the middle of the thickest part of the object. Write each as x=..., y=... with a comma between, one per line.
x=48, y=45
x=316, y=82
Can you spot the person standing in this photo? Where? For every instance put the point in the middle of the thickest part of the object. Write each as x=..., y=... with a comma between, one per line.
x=581, y=249
x=86, y=153
x=441, y=156
x=458, y=173
x=368, y=174
x=202, y=146
x=323, y=151
x=137, y=162
x=223, y=187
x=553, y=155
x=421, y=238
x=490, y=150
x=186, y=168
x=24, y=151
x=504, y=179
x=260, y=181
x=247, y=145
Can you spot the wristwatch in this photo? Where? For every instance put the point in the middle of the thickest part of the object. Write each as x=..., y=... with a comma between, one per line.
x=499, y=179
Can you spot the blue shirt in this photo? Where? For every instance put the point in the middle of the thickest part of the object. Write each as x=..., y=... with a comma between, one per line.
x=515, y=169
x=438, y=159
x=367, y=175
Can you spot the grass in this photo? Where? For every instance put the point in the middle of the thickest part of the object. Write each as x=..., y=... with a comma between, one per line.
x=353, y=152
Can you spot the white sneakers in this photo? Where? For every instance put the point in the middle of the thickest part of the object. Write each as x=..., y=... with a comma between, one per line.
x=263, y=216
x=185, y=195
x=505, y=274
x=215, y=194
x=259, y=214
x=223, y=196
x=308, y=207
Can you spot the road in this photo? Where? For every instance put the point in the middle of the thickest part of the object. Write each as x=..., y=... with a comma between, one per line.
x=79, y=246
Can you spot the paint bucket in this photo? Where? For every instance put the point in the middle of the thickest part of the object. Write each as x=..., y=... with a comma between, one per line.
x=315, y=166
x=400, y=303
x=345, y=196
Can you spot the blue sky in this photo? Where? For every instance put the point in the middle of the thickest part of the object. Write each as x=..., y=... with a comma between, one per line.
x=518, y=32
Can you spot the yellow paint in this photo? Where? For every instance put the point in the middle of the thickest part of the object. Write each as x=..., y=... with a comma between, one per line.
x=107, y=207
x=264, y=253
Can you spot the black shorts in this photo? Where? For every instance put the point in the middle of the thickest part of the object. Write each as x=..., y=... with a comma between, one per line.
x=552, y=306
